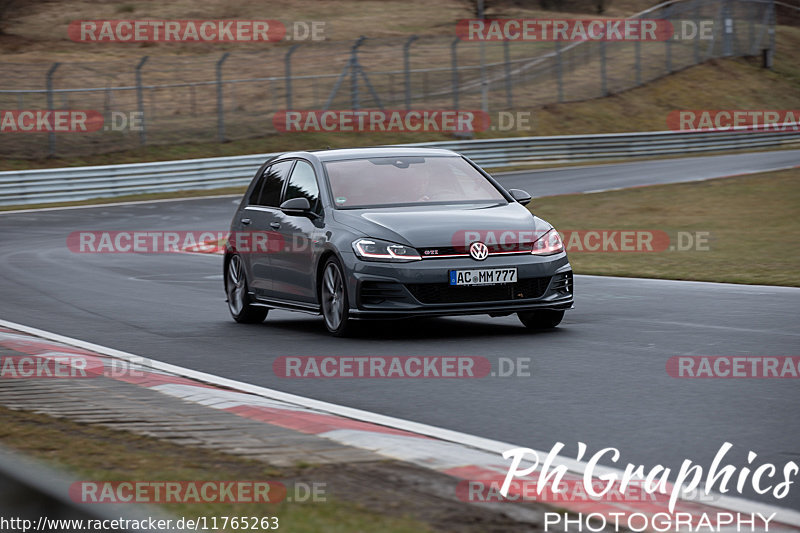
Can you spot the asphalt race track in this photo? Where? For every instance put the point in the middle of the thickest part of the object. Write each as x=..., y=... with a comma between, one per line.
x=600, y=378
x=604, y=177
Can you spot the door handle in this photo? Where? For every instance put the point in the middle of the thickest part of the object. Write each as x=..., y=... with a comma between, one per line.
x=245, y=221
x=275, y=225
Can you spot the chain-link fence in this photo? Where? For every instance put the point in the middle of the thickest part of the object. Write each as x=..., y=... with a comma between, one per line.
x=172, y=99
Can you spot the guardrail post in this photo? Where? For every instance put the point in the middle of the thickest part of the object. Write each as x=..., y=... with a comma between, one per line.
x=407, y=69
x=287, y=60
x=220, y=105
x=140, y=101
x=454, y=68
x=51, y=136
x=559, y=71
x=604, y=81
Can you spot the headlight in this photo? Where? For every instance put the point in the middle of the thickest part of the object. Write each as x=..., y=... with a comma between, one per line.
x=550, y=243
x=378, y=250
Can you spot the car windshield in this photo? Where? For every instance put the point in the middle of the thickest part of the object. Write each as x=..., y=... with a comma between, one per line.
x=402, y=181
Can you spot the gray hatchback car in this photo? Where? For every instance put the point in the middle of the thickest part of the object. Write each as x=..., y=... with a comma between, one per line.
x=378, y=233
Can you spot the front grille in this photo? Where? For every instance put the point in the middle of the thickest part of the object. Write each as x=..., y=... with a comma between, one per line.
x=377, y=292
x=463, y=251
x=443, y=293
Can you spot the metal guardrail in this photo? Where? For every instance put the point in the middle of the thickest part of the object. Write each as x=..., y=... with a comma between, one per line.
x=38, y=497
x=83, y=183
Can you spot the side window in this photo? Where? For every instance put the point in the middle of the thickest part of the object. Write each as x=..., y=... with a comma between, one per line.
x=268, y=191
x=253, y=200
x=303, y=184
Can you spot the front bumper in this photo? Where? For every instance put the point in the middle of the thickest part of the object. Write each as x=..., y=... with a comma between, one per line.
x=421, y=288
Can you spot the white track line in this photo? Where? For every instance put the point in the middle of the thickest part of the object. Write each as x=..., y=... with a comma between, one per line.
x=732, y=503
x=688, y=282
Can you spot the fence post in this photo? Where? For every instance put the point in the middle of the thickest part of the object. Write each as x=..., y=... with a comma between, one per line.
x=140, y=100
x=668, y=43
x=288, y=74
x=454, y=68
x=773, y=20
x=354, y=72
x=637, y=65
x=718, y=22
x=220, y=106
x=484, y=79
x=507, y=59
x=727, y=29
x=603, y=67
x=407, y=69
x=696, y=43
x=559, y=71
x=51, y=136
x=751, y=35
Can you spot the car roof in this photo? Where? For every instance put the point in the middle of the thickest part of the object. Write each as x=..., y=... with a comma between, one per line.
x=363, y=153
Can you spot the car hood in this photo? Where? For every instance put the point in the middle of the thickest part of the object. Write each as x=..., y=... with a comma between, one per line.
x=441, y=225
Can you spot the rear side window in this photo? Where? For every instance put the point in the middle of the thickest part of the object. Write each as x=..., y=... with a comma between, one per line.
x=303, y=184
x=268, y=191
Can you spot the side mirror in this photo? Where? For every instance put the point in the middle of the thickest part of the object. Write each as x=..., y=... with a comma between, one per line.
x=520, y=196
x=297, y=207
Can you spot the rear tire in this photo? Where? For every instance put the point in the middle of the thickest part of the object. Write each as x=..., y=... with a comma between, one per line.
x=333, y=299
x=541, y=319
x=238, y=299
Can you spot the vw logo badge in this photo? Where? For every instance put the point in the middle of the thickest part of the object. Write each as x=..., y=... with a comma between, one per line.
x=478, y=251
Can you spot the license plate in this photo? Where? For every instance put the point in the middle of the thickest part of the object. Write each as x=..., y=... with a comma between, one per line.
x=488, y=276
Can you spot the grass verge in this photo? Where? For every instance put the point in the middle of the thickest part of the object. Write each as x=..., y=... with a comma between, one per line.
x=102, y=454
x=752, y=223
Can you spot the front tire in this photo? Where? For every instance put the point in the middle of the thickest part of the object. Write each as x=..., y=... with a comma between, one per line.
x=334, y=301
x=239, y=304
x=541, y=318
